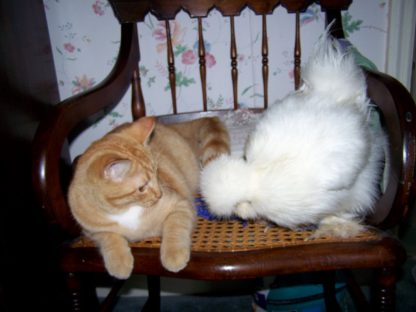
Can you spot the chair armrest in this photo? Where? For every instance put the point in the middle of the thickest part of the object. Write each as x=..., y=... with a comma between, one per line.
x=63, y=119
x=398, y=118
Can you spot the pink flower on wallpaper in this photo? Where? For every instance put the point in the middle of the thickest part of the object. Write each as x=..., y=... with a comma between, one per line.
x=159, y=33
x=306, y=20
x=98, y=8
x=82, y=84
x=188, y=57
x=210, y=60
x=69, y=47
x=312, y=14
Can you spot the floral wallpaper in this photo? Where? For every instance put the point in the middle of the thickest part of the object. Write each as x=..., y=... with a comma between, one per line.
x=85, y=38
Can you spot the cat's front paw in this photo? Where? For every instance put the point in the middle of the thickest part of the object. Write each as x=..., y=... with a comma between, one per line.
x=119, y=265
x=175, y=259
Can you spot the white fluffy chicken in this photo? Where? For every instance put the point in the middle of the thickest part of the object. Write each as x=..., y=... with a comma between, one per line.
x=313, y=157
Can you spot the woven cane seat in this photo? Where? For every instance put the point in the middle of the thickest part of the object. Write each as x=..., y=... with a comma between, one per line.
x=235, y=235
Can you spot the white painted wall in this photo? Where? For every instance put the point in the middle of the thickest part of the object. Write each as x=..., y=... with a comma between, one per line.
x=400, y=40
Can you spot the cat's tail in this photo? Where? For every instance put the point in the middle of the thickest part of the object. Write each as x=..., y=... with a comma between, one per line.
x=226, y=182
x=208, y=137
x=332, y=72
x=213, y=140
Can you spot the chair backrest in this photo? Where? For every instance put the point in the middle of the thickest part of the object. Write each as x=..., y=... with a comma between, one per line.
x=71, y=116
x=130, y=11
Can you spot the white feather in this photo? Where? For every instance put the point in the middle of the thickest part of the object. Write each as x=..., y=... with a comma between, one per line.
x=233, y=183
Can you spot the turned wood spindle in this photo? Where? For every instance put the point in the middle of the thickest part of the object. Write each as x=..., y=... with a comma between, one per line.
x=265, y=61
x=171, y=66
x=297, y=53
x=233, y=54
x=138, y=107
x=202, y=66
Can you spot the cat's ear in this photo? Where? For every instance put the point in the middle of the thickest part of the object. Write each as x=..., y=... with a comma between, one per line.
x=144, y=128
x=117, y=170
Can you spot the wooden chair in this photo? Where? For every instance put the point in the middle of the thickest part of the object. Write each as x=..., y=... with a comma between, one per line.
x=234, y=252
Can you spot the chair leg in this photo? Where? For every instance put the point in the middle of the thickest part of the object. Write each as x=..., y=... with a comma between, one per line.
x=110, y=301
x=360, y=301
x=384, y=290
x=153, y=301
x=331, y=303
x=82, y=295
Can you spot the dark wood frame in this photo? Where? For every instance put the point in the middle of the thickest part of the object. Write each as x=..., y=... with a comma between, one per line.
x=385, y=255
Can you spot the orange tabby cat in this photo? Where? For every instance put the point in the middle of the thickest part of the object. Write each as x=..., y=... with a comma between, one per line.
x=138, y=181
